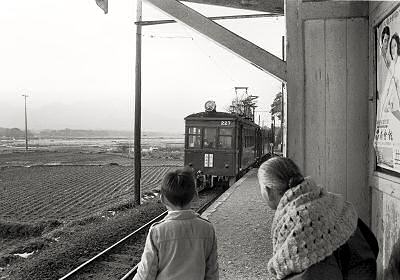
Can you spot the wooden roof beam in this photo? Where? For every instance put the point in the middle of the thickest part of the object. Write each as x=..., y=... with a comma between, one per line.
x=271, y=6
x=166, y=21
x=245, y=49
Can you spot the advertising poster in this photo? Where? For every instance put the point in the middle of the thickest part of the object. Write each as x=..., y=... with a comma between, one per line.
x=387, y=132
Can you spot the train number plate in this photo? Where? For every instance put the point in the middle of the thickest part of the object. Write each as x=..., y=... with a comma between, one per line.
x=208, y=160
x=224, y=123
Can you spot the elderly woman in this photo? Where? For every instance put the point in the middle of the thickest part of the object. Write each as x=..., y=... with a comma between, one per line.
x=316, y=234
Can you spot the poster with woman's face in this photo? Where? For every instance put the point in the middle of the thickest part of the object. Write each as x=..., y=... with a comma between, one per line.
x=387, y=132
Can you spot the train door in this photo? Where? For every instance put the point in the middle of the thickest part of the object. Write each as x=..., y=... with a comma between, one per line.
x=254, y=143
x=239, y=145
x=258, y=143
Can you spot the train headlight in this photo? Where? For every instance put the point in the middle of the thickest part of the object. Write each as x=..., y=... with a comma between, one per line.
x=210, y=106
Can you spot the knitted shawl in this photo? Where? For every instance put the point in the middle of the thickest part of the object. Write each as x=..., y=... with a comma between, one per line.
x=309, y=225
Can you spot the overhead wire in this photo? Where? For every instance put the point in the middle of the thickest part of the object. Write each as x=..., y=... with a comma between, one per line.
x=223, y=70
x=152, y=36
x=197, y=45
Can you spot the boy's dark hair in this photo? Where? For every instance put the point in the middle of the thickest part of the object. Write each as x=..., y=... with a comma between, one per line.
x=179, y=187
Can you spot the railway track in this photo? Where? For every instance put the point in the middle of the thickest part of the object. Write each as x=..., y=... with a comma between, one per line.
x=120, y=260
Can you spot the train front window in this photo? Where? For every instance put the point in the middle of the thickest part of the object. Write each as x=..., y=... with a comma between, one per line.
x=194, y=137
x=210, y=135
x=225, y=138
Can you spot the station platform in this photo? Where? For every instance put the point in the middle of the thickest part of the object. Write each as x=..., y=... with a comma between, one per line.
x=242, y=221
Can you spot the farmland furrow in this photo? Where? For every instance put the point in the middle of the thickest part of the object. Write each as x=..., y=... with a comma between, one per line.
x=155, y=174
x=161, y=172
x=37, y=196
x=55, y=202
x=121, y=184
x=151, y=179
x=95, y=190
x=30, y=198
x=34, y=187
x=84, y=190
x=44, y=192
x=79, y=198
x=60, y=200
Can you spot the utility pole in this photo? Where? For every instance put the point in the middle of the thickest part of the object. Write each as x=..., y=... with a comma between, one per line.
x=259, y=116
x=272, y=145
x=26, y=125
x=138, y=101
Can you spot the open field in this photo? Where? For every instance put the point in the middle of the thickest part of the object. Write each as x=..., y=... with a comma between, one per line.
x=69, y=192
x=62, y=158
x=86, y=158
x=97, y=144
x=50, y=197
x=67, y=186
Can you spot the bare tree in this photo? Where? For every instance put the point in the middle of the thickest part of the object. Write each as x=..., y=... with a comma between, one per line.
x=276, y=106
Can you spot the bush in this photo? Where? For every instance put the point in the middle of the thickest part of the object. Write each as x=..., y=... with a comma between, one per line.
x=16, y=230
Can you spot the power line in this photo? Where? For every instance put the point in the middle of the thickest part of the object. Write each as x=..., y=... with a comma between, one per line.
x=213, y=61
x=166, y=37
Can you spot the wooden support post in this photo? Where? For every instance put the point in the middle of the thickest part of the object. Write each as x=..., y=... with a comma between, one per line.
x=295, y=83
x=282, y=99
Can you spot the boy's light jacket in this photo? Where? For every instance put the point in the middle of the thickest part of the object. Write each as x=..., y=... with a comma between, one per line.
x=182, y=246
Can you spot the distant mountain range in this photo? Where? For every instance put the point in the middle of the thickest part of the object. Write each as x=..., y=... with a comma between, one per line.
x=79, y=133
x=12, y=133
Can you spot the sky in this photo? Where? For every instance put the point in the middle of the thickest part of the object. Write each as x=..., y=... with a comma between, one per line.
x=76, y=64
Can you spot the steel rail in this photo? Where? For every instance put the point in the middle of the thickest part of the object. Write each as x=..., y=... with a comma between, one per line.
x=131, y=272
x=73, y=272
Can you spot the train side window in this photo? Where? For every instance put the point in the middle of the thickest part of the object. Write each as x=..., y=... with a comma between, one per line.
x=194, y=137
x=246, y=138
x=252, y=138
x=225, y=138
x=210, y=135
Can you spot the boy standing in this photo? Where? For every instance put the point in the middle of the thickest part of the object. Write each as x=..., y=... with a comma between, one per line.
x=183, y=245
